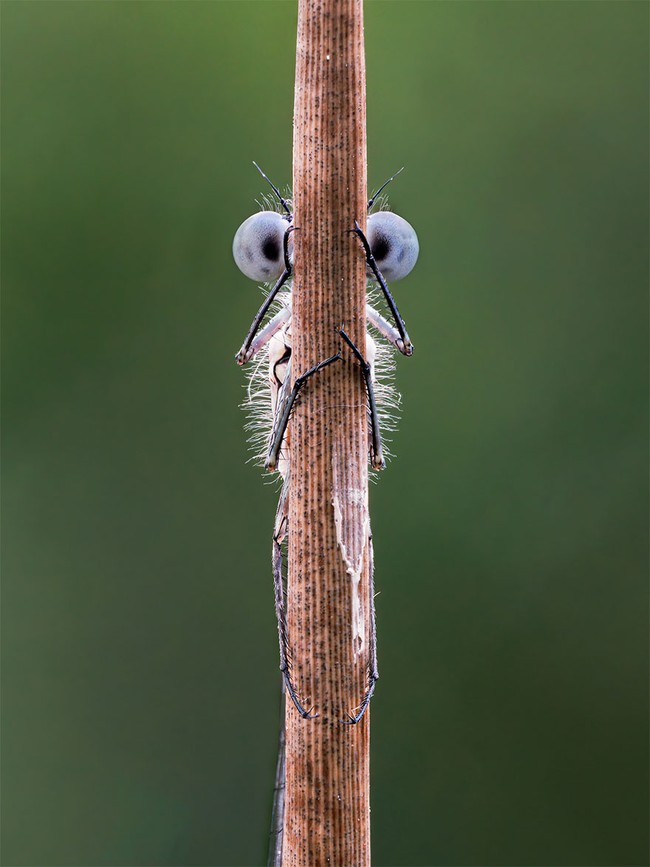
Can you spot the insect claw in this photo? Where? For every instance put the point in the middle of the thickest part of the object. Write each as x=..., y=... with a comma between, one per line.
x=378, y=462
x=307, y=714
x=354, y=718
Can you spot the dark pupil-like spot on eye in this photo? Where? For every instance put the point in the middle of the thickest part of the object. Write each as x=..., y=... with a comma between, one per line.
x=381, y=247
x=271, y=248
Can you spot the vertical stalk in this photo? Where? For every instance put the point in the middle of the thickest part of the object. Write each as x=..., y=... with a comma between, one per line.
x=327, y=807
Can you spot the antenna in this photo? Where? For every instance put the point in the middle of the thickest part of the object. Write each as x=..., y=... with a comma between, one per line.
x=283, y=201
x=371, y=201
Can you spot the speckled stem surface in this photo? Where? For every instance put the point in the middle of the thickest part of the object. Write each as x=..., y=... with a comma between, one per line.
x=327, y=808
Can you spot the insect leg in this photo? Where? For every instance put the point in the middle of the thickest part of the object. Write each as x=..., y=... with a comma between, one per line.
x=373, y=671
x=279, y=534
x=244, y=353
x=285, y=408
x=383, y=326
x=274, y=325
x=404, y=343
x=377, y=455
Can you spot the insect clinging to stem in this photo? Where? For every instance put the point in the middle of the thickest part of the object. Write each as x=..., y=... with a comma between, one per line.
x=263, y=251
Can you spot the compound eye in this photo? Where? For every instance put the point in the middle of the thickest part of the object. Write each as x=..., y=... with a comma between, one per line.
x=394, y=244
x=258, y=246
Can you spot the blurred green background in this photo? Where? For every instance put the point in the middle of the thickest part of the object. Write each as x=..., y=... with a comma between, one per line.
x=140, y=683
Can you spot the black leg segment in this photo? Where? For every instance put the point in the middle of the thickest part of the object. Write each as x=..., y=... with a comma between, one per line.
x=377, y=455
x=244, y=353
x=285, y=411
x=404, y=344
x=279, y=535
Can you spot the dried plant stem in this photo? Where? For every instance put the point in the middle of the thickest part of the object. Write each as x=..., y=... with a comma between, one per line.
x=327, y=812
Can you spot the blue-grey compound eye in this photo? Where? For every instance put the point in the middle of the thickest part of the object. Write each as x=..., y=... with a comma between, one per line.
x=258, y=246
x=394, y=244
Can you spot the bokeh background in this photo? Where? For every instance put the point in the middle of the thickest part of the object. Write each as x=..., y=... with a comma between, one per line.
x=140, y=683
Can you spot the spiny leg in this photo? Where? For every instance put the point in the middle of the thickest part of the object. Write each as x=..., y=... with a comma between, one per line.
x=383, y=326
x=245, y=353
x=269, y=331
x=377, y=455
x=279, y=534
x=404, y=344
x=373, y=671
x=285, y=411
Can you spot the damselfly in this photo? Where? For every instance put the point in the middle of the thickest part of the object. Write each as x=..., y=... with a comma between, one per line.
x=263, y=250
